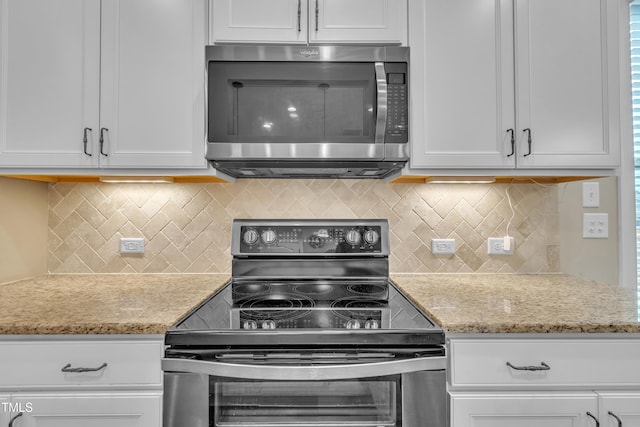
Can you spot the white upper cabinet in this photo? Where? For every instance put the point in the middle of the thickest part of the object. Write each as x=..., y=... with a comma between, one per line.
x=567, y=70
x=488, y=76
x=309, y=21
x=462, y=83
x=152, y=91
x=49, y=81
x=127, y=77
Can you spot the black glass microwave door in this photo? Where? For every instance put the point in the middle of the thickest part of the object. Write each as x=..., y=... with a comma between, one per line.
x=291, y=102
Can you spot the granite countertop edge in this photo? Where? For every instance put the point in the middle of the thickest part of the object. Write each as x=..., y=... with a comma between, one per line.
x=125, y=304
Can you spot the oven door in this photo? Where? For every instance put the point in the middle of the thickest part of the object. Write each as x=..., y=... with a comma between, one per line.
x=306, y=389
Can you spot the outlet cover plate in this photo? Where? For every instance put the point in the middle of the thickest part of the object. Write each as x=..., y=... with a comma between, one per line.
x=443, y=246
x=595, y=226
x=495, y=246
x=132, y=245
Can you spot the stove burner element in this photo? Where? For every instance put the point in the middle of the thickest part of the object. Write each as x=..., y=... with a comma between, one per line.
x=313, y=288
x=251, y=289
x=368, y=289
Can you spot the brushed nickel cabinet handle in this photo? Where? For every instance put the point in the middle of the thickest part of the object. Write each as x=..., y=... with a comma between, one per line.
x=85, y=139
x=68, y=368
x=12, y=420
x=543, y=367
x=317, y=14
x=299, y=15
x=616, y=417
x=102, y=131
x=513, y=142
x=528, y=131
x=594, y=418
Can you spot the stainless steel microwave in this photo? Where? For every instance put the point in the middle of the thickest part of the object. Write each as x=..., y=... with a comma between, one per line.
x=307, y=111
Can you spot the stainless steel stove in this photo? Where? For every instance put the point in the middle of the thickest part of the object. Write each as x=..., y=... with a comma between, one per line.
x=309, y=303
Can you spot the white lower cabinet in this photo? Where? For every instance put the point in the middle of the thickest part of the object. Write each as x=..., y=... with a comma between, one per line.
x=522, y=409
x=4, y=411
x=78, y=381
x=88, y=409
x=572, y=380
x=618, y=409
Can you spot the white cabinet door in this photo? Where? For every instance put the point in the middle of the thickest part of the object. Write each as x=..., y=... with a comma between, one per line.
x=309, y=21
x=259, y=21
x=523, y=410
x=619, y=409
x=5, y=410
x=565, y=72
x=567, y=77
x=462, y=83
x=357, y=21
x=49, y=82
x=152, y=83
x=90, y=409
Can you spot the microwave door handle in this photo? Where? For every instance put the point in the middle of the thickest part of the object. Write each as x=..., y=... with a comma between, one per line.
x=381, y=89
x=304, y=373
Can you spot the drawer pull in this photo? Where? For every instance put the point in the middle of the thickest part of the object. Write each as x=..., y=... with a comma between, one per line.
x=616, y=417
x=68, y=368
x=543, y=367
x=14, y=419
x=594, y=418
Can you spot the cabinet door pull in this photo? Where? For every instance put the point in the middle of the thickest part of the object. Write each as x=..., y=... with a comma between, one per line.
x=12, y=420
x=528, y=131
x=317, y=14
x=85, y=139
x=513, y=142
x=102, y=131
x=616, y=417
x=299, y=15
x=594, y=418
x=543, y=367
x=68, y=368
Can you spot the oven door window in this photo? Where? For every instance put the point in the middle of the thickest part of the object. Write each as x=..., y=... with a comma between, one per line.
x=291, y=102
x=355, y=403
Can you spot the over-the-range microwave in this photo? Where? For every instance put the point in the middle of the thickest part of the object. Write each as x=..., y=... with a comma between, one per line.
x=307, y=111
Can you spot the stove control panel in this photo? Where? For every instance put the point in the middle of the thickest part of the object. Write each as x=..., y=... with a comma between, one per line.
x=311, y=239
x=317, y=318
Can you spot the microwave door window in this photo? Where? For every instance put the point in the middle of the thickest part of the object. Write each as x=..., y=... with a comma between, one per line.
x=292, y=102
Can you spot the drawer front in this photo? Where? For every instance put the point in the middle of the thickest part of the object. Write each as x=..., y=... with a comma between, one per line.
x=579, y=362
x=112, y=363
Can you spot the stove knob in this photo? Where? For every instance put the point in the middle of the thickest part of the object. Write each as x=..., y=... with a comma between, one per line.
x=268, y=324
x=251, y=236
x=353, y=324
x=269, y=236
x=316, y=242
x=371, y=324
x=371, y=237
x=352, y=237
x=250, y=324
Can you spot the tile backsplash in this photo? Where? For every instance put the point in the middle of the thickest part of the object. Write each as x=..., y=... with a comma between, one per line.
x=186, y=227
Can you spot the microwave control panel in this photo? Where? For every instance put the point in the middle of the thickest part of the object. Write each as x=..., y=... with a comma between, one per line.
x=397, y=103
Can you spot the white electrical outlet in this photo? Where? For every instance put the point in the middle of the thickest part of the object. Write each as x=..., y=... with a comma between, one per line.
x=496, y=246
x=595, y=226
x=443, y=246
x=131, y=245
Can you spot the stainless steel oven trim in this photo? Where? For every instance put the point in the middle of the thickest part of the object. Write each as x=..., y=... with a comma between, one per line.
x=316, y=151
x=304, y=373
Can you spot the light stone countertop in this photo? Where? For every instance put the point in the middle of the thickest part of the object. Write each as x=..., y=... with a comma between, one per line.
x=507, y=303
x=460, y=303
x=102, y=303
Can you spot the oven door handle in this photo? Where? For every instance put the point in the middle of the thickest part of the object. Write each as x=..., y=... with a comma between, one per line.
x=305, y=373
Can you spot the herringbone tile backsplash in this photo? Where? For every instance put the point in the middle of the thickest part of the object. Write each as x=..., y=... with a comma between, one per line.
x=186, y=227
